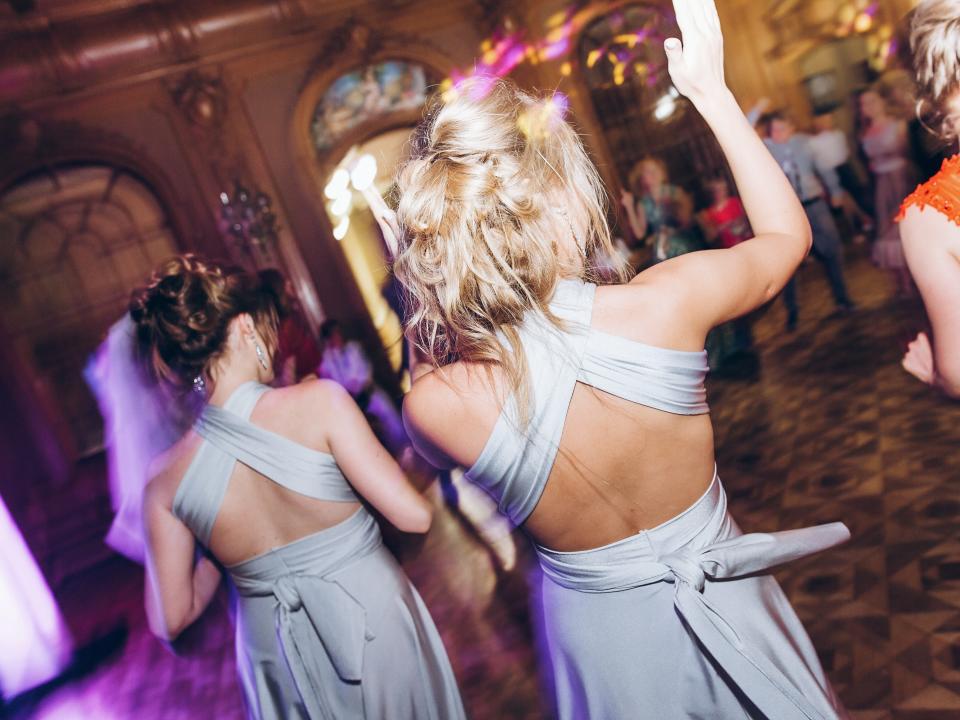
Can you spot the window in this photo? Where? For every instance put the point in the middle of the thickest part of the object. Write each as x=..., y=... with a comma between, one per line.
x=625, y=69
x=74, y=241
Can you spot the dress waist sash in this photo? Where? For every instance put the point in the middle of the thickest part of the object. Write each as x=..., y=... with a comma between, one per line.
x=315, y=615
x=695, y=547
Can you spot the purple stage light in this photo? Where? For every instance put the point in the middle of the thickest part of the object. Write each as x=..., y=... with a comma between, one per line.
x=35, y=645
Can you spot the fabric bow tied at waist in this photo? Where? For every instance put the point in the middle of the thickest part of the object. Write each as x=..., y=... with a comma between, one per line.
x=689, y=568
x=311, y=609
x=319, y=625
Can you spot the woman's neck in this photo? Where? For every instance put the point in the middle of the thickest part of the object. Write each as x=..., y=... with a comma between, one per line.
x=227, y=382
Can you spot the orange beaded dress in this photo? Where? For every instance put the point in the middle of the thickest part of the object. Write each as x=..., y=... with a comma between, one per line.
x=941, y=192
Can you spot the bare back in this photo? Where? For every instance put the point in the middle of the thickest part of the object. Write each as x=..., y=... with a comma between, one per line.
x=621, y=466
x=258, y=514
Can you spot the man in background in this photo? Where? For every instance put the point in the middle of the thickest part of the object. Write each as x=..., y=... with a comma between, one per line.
x=793, y=153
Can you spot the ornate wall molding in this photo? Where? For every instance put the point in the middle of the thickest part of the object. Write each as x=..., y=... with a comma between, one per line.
x=35, y=144
x=346, y=50
x=202, y=99
x=40, y=56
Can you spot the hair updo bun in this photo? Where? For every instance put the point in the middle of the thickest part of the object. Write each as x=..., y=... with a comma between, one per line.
x=183, y=314
x=498, y=201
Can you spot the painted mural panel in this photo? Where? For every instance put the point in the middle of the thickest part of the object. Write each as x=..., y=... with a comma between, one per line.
x=364, y=93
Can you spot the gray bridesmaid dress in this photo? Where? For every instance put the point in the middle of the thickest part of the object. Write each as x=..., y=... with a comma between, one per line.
x=328, y=627
x=678, y=621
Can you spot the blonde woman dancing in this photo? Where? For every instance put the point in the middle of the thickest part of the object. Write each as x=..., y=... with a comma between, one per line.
x=582, y=409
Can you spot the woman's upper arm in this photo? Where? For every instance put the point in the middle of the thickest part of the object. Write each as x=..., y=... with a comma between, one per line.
x=714, y=286
x=417, y=413
x=367, y=465
x=169, y=560
x=931, y=244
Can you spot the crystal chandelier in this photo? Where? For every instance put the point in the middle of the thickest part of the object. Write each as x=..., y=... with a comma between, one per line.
x=247, y=218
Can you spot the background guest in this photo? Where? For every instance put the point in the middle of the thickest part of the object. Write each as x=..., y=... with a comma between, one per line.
x=663, y=215
x=792, y=152
x=931, y=235
x=831, y=150
x=298, y=353
x=725, y=224
x=345, y=362
x=927, y=149
x=885, y=143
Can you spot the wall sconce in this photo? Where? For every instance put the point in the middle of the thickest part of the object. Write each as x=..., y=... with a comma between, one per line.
x=354, y=172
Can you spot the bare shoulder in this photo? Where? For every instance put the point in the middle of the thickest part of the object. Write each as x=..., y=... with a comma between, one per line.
x=455, y=388
x=651, y=308
x=314, y=393
x=450, y=412
x=309, y=413
x=167, y=470
x=928, y=227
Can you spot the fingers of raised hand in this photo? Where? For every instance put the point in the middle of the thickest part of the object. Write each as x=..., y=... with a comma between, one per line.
x=910, y=364
x=697, y=17
x=711, y=15
x=921, y=343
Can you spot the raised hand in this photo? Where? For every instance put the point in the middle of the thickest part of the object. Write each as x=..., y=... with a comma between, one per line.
x=918, y=361
x=386, y=219
x=696, y=64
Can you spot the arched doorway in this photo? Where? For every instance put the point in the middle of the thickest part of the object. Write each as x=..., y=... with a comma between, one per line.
x=366, y=117
x=74, y=239
x=360, y=239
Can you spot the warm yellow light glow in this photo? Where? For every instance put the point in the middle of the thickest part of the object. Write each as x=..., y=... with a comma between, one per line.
x=341, y=205
x=665, y=107
x=863, y=23
x=557, y=35
x=885, y=50
x=618, y=73
x=364, y=172
x=340, y=231
x=556, y=19
x=593, y=56
x=337, y=183
x=566, y=68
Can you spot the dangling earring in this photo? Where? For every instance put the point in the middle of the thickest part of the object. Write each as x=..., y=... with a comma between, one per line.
x=260, y=355
x=199, y=385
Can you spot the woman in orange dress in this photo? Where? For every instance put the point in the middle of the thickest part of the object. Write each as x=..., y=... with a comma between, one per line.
x=930, y=216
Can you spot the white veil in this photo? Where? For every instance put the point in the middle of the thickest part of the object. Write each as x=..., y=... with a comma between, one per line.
x=141, y=420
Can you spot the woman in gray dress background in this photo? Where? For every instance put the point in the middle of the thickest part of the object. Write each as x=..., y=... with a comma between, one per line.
x=886, y=144
x=269, y=482
x=581, y=409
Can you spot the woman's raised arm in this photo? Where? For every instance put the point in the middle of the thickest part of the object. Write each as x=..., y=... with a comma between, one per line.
x=718, y=285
